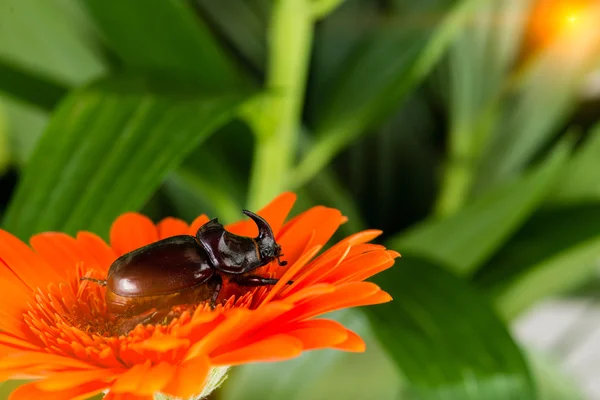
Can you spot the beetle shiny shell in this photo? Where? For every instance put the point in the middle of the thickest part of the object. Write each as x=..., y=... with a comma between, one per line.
x=186, y=270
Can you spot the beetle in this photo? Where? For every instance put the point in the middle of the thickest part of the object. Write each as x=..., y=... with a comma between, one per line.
x=144, y=284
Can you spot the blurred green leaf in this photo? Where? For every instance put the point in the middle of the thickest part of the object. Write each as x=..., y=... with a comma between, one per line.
x=445, y=337
x=556, y=250
x=377, y=76
x=551, y=380
x=27, y=87
x=243, y=25
x=464, y=240
x=544, y=92
x=50, y=37
x=321, y=374
x=581, y=179
x=107, y=149
x=471, y=81
x=164, y=37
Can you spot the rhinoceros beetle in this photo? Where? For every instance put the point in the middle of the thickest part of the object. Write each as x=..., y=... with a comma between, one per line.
x=144, y=284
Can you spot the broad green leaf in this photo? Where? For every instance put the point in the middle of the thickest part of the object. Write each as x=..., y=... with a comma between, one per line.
x=164, y=37
x=377, y=75
x=242, y=24
x=445, y=337
x=29, y=88
x=107, y=149
x=50, y=37
x=581, y=179
x=465, y=239
x=546, y=92
x=321, y=374
x=553, y=252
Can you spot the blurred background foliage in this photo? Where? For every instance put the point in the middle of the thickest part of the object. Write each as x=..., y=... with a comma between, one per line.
x=468, y=130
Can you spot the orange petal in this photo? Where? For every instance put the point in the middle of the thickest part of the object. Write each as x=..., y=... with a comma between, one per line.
x=31, y=391
x=275, y=213
x=31, y=358
x=66, y=380
x=240, y=331
x=94, y=245
x=189, y=378
x=17, y=343
x=157, y=378
x=348, y=295
x=318, y=333
x=131, y=231
x=318, y=222
x=14, y=303
x=161, y=344
x=61, y=252
x=197, y=223
x=274, y=348
x=352, y=343
x=127, y=396
x=27, y=265
x=169, y=227
x=130, y=381
x=290, y=273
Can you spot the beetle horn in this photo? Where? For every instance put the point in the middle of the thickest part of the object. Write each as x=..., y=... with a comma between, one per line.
x=264, y=229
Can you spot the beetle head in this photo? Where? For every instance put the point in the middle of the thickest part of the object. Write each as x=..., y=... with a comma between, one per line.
x=234, y=254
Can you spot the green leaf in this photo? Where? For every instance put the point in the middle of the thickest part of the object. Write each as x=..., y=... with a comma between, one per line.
x=445, y=337
x=553, y=252
x=472, y=79
x=164, y=37
x=242, y=24
x=537, y=110
x=27, y=87
x=107, y=149
x=581, y=179
x=465, y=239
x=50, y=37
x=378, y=75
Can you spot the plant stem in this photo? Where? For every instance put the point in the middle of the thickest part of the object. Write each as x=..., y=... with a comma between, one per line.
x=275, y=118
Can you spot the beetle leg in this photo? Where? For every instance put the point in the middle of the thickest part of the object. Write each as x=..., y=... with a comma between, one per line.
x=254, y=280
x=218, y=282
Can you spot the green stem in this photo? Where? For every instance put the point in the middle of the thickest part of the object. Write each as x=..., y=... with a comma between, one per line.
x=275, y=118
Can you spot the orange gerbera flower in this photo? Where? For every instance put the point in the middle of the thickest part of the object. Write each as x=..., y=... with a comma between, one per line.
x=55, y=328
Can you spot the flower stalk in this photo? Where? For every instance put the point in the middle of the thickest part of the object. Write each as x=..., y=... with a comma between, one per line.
x=275, y=118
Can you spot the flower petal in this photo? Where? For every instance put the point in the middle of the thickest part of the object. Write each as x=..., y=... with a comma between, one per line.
x=24, y=263
x=274, y=348
x=189, y=378
x=318, y=333
x=6, y=339
x=295, y=235
x=131, y=231
x=275, y=213
x=130, y=381
x=70, y=379
x=352, y=343
x=62, y=253
x=95, y=246
x=31, y=391
x=170, y=227
x=157, y=378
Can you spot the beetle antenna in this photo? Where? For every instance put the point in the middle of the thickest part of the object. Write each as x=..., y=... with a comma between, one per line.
x=101, y=282
x=281, y=263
